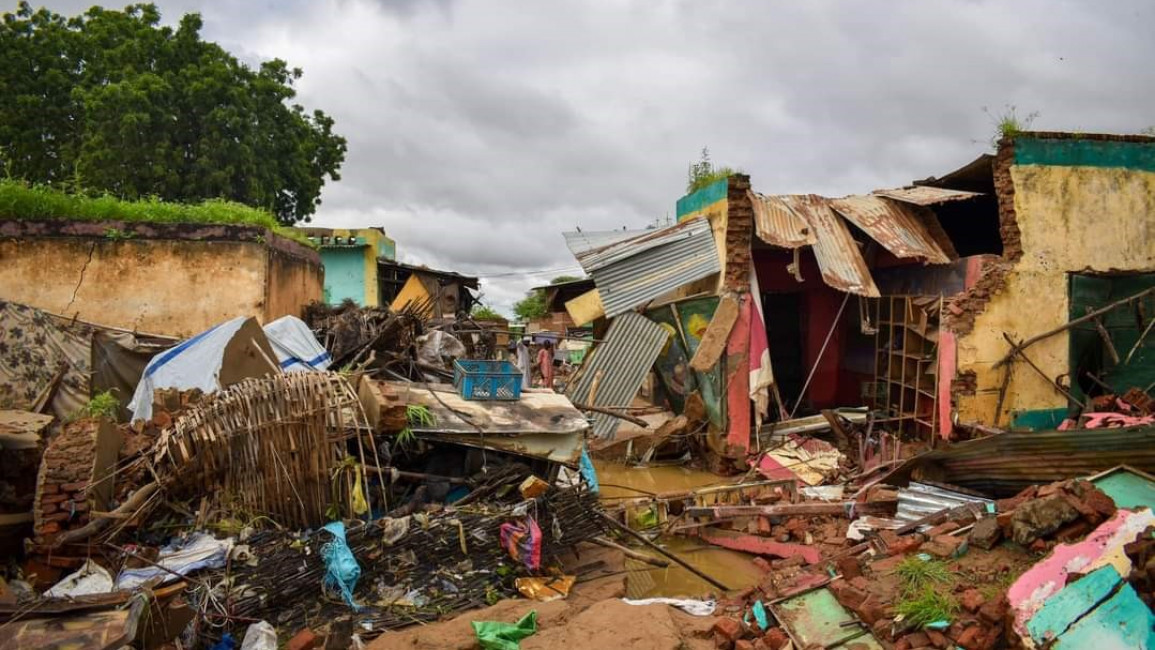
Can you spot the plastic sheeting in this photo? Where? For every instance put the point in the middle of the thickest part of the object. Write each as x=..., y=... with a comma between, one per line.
x=296, y=347
x=199, y=551
x=88, y=579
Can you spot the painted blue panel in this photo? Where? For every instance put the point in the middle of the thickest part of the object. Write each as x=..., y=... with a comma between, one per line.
x=1070, y=604
x=344, y=274
x=1124, y=621
x=1128, y=490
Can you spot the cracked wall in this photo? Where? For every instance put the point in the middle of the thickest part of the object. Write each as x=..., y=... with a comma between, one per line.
x=175, y=287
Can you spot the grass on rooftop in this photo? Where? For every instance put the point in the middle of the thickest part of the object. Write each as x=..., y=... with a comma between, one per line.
x=25, y=202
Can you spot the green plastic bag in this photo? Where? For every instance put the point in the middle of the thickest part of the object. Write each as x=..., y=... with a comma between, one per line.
x=493, y=635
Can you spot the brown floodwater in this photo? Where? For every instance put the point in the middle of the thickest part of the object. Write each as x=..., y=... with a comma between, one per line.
x=731, y=568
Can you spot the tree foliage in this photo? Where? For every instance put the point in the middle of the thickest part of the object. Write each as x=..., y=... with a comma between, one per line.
x=533, y=304
x=482, y=312
x=704, y=173
x=110, y=101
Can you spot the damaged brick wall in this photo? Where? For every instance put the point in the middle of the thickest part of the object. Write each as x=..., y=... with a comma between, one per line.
x=739, y=234
x=70, y=481
x=962, y=309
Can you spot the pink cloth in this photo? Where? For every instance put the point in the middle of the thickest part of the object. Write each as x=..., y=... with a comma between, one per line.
x=545, y=363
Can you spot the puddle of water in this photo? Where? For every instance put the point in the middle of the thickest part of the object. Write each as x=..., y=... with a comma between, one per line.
x=654, y=480
x=731, y=568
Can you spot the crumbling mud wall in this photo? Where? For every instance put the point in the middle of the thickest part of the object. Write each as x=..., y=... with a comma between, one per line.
x=1067, y=204
x=172, y=279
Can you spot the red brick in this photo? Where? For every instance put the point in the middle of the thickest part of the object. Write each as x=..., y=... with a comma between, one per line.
x=994, y=611
x=1039, y=545
x=938, y=639
x=872, y=611
x=75, y=487
x=743, y=644
x=944, y=546
x=914, y=640
x=902, y=644
x=905, y=546
x=971, y=638
x=53, y=498
x=775, y=638
x=77, y=506
x=728, y=627
x=762, y=564
x=849, y=568
x=49, y=488
x=56, y=516
x=306, y=639
x=860, y=583
x=887, y=565
x=943, y=529
x=50, y=528
x=971, y=600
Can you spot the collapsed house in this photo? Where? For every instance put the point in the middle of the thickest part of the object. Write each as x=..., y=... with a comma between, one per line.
x=1001, y=294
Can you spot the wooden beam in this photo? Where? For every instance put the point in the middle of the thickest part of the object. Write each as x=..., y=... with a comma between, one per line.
x=1106, y=336
x=794, y=509
x=717, y=335
x=1138, y=343
x=1023, y=355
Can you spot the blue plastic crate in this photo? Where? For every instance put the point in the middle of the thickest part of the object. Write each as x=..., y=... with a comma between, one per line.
x=487, y=380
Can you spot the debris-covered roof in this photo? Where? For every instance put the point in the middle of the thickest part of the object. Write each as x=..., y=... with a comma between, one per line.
x=900, y=228
x=839, y=259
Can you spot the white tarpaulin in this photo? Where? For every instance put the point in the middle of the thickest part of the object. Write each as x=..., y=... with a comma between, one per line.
x=296, y=347
x=214, y=359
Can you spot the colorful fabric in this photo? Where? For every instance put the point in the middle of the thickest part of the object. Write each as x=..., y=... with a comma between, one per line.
x=522, y=540
x=341, y=568
x=34, y=345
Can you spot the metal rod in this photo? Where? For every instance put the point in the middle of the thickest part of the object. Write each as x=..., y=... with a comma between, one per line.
x=814, y=368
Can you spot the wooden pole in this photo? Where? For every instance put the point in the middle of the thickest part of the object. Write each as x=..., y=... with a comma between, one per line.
x=612, y=413
x=1022, y=355
x=1070, y=324
x=677, y=560
x=1138, y=343
x=1103, y=334
x=629, y=552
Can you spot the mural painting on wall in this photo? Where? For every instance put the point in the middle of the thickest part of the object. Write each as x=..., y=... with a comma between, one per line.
x=673, y=363
x=696, y=316
x=687, y=322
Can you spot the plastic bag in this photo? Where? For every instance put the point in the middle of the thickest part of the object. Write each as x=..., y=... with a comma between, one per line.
x=260, y=636
x=494, y=635
x=341, y=568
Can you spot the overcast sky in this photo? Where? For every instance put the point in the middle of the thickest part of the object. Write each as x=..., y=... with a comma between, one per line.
x=480, y=130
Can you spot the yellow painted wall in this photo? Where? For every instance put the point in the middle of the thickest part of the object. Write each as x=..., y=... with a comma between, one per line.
x=412, y=291
x=161, y=286
x=1071, y=219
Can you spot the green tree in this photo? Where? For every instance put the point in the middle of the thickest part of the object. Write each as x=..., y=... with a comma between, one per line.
x=704, y=173
x=482, y=312
x=533, y=304
x=112, y=102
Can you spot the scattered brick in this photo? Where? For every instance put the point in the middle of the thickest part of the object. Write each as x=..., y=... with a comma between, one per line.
x=971, y=600
x=985, y=534
x=306, y=639
x=971, y=638
x=728, y=628
x=849, y=568
x=775, y=638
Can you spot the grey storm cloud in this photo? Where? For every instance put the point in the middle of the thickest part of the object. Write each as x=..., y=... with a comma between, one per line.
x=479, y=130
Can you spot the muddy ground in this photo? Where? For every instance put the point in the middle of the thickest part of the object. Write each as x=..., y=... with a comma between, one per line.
x=593, y=617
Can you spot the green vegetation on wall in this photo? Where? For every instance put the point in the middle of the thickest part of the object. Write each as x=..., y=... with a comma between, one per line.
x=38, y=203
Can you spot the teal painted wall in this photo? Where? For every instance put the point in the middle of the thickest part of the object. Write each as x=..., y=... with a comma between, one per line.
x=344, y=274
x=707, y=195
x=1073, y=152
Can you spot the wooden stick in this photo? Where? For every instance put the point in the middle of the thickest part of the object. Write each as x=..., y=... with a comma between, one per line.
x=1103, y=334
x=1070, y=324
x=629, y=552
x=93, y=527
x=677, y=560
x=1138, y=343
x=612, y=413
x=1023, y=355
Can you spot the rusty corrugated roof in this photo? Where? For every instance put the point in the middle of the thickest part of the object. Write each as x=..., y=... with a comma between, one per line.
x=897, y=226
x=838, y=256
x=924, y=195
x=1005, y=463
x=776, y=223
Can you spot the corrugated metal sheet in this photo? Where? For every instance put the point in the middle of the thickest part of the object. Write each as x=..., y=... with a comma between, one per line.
x=581, y=242
x=920, y=500
x=924, y=195
x=632, y=272
x=897, y=226
x=838, y=256
x=630, y=348
x=776, y=223
x=1003, y=464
